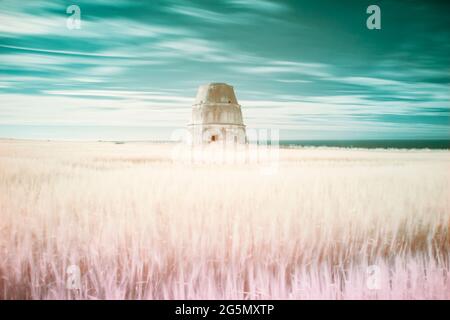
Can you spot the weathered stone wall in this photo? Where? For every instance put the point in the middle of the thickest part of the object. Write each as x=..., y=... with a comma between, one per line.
x=216, y=115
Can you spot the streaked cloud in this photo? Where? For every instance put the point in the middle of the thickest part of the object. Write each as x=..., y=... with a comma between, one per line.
x=261, y=5
x=309, y=68
x=282, y=67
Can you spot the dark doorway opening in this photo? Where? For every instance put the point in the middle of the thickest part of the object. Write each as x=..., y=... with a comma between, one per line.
x=214, y=138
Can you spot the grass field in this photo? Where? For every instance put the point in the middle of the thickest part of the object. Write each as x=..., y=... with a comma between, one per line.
x=327, y=224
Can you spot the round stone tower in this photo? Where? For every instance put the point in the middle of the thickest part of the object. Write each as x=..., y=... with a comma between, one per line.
x=216, y=116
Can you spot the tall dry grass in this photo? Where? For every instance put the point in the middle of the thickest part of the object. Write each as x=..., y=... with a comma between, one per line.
x=141, y=226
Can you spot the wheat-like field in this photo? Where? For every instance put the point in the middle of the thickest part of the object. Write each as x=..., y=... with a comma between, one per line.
x=327, y=224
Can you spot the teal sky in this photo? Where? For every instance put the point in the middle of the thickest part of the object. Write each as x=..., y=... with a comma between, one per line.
x=311, y=69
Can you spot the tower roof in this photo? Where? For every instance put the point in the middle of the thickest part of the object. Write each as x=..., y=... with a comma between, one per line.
x=215, y=93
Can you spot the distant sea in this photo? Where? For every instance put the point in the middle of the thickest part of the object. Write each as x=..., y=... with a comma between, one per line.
x=370, y=144
x=151, y=134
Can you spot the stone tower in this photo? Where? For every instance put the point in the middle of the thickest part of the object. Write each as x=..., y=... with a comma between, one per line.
x=216, y=116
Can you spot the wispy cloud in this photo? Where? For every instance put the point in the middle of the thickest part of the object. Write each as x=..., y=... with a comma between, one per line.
x=294, y=66
x=368, y=81
x=199, y=13
x=287, y=67
x=265, y=6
